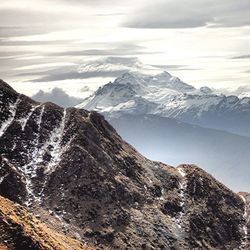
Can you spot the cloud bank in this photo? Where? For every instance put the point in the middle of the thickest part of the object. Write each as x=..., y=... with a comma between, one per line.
x=173, y=14
x=58, y=96
x=103, y=67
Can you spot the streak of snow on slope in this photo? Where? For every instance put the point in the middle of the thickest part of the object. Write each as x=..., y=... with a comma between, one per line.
x=178, y=219
x=55, y=141
x=120, y=106
x=7, y=123
x=3, y=177
x=244, y=228
x=40, y=118
x=182, y=173
x=23, y=121
x=37, y=154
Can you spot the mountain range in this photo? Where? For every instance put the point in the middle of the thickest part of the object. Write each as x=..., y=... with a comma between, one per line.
x=172, y=121
x=167, y=96
x=74, y=173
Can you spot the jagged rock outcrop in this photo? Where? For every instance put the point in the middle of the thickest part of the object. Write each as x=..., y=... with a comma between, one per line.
x=73, y=164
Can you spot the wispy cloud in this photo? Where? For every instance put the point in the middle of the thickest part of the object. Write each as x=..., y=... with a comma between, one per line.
x=103, y=67
x=174, y=14
x=78, y=75
x=241, y=57
x=173, y=67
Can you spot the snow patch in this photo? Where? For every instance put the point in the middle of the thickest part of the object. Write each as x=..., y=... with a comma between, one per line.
x=181, y=172
x=40, y=118
x=37, y=154
x=244, y=228
x=23, y=121
x=3, y=177
x=178, y=219
x=55, y=141
x=8, y=122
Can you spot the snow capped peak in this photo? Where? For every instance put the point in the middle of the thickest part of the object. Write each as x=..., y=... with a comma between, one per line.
x=131, y=86
x=163, y=75
x=163, y=80
x=166, y=80
x=131, y=78
x=166, y=96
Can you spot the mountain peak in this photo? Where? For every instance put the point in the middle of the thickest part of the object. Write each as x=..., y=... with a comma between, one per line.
x=132, y=75
x=163, y=74
x=134, y=91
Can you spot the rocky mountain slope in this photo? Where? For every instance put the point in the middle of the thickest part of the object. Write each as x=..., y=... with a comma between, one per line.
x=73, y=165
x=246, y=228
x=167, y=96
x=21, y=230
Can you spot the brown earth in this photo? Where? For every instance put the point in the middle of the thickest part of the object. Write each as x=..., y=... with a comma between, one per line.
x=19, y=229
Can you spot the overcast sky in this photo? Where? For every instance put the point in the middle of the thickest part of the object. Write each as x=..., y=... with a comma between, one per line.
x=77, y=45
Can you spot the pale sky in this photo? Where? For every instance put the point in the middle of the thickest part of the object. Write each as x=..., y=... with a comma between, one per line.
x=78, y=45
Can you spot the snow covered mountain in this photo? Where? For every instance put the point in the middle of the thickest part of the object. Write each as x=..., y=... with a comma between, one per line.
x=167, y=96
x=71, y=168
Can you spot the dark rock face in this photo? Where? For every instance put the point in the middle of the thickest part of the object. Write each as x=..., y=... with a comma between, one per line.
x=12, y=182
x=211, y=214
x=246, y=228
x=72, y=163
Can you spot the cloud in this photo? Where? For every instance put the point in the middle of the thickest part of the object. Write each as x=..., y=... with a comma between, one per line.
x=242, y=91
x=111, y=64
x=241, y=57
x=88, y=2
x=27, y=59
x=16, y=20
x=7, y=42
x=73, y=75
x=58, y=96
x=174, y=14
x=8, y=31
x=167, y=67
x=104, y=67
x=115, y=50
x=84, y=89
